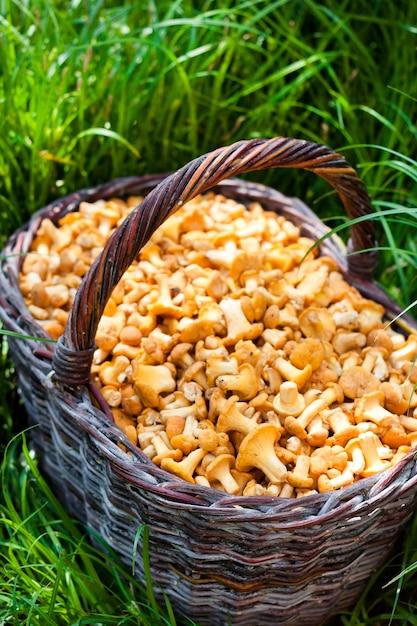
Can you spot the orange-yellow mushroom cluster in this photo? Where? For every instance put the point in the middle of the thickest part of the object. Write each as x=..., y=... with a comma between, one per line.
x=231, y=353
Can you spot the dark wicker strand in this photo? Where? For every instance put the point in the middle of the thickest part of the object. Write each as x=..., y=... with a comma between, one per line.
x=72, y=364
x=195, y=178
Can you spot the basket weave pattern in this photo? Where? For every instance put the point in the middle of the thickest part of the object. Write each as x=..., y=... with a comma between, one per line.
x=258, y=559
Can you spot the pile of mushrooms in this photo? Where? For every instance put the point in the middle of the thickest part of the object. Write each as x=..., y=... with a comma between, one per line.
x=232, y=354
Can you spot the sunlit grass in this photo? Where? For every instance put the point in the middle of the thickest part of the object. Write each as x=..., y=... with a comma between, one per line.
x=90, y=90
x=50, y=574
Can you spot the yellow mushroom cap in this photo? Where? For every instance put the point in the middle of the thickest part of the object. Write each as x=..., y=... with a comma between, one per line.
x=356, y=381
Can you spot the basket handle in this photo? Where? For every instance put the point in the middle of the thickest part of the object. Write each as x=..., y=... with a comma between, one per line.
x=74, y=351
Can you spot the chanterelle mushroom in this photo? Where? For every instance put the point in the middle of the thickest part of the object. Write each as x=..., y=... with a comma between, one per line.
x=245, y=384
x=185, y=468
x=238, y=326
x=219, y=469
x=230, y=418
x=151, y=381
x=356, y=381
x=370, y=408
x=317, y=323
x=257, y=450
x=288, y=401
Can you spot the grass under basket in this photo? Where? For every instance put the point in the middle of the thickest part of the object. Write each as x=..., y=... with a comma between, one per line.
x=92, y=89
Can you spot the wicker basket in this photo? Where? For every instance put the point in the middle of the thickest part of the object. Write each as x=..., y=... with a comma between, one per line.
x=253, y=560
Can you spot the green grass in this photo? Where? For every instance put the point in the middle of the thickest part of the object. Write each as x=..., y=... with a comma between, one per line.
x=50, y=573
x=92, y=89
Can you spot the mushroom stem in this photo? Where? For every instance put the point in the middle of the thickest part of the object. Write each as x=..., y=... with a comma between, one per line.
x=297, y=426
x=238, y=326
x=342, y=428
x=292, y=373
x=369, y=407
x=317, y=433
x=288, y=401
x=230, y=418
x=299, y=476
x=163, y=451
x=245, y=383
x=369, y=446
x=257, y=450
x=219, y=469
x=354, y=450
x=185, y=468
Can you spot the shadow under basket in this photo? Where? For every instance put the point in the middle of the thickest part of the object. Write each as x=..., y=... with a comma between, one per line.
x=249, y=560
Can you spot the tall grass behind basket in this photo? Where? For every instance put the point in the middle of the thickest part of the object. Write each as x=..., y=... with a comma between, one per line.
x=250, y=560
